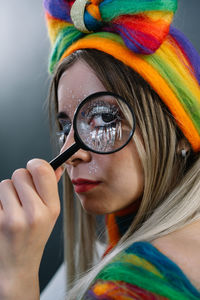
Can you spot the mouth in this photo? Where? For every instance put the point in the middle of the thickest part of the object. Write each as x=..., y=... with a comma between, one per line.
x=84, y=185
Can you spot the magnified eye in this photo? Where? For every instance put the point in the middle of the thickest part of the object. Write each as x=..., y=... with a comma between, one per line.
x=103, y=116
x=102, y=120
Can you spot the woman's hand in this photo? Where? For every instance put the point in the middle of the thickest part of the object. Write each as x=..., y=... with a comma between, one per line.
x=29, y=207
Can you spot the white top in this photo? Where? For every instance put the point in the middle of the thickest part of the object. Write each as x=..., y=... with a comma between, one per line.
x=55, y=289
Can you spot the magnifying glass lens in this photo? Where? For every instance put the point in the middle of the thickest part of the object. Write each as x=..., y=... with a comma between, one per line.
x=104, y=123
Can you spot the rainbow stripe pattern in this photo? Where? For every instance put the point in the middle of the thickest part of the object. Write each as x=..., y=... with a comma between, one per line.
x=138, y=33
x=142, y=272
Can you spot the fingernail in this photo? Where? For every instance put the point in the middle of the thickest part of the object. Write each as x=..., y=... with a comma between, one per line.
x=34, y=162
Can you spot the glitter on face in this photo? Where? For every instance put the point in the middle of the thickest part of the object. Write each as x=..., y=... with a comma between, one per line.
x=92, y=168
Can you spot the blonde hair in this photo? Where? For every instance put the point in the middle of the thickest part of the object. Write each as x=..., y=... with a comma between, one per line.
x=171, y=183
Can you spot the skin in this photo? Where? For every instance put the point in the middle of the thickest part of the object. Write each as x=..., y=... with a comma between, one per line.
x=182, y=247
x=120, y=173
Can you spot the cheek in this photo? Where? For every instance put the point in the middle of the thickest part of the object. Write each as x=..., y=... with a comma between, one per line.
x=96, y=168
x=100, y=164
x=126, y=172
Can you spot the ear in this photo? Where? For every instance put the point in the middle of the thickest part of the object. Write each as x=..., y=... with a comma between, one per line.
x=183, y=147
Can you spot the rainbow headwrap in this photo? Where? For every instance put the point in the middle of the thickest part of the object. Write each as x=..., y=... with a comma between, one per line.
x=138, y=33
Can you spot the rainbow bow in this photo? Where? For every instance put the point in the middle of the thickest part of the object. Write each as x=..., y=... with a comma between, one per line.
x=142, y=24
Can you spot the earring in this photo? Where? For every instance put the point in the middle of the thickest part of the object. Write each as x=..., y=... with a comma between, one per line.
x=183, y=153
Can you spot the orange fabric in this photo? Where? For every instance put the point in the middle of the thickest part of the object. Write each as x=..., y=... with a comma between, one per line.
x=96, y=2
x=93, y=10
x=113, y=230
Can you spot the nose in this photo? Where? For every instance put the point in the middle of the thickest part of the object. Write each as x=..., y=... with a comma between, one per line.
x=81, y=156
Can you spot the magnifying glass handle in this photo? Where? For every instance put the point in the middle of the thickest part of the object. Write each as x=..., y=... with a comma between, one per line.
x=61, y=158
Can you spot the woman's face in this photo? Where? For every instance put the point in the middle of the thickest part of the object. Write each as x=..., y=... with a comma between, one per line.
x=103, y=183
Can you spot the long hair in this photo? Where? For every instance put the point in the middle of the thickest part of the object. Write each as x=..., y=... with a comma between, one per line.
x=171, y=182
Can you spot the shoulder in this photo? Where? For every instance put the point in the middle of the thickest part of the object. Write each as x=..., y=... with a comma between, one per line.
x=184, y=252
x=143, y=270
x=56, y=288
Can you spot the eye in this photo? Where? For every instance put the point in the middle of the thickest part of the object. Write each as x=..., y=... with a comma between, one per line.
x=65, y=126
x=103, y=116
x=102, y=120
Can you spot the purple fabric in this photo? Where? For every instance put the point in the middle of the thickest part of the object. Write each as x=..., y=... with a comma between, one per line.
x=188, y=49
x=132, y=43
x=58, y=9
x=129, y=41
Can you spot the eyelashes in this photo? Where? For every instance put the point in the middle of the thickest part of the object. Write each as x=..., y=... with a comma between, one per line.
x=104, y=138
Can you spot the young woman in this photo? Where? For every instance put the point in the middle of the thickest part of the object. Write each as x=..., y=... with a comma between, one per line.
x=148, y=191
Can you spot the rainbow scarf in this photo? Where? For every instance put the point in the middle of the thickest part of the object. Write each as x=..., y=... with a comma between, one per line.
x=139, y=272
x=138, y=33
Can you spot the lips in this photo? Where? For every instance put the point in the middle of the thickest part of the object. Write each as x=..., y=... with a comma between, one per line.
x=84, y=185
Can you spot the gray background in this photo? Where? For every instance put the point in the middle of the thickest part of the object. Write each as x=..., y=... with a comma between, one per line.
x=24, y=82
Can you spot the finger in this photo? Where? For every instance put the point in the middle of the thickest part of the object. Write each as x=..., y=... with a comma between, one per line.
x=25, y=188
x=10, y=201
x=45, y=181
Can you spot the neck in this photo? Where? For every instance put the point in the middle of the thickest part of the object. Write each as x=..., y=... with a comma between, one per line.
x=118, y=223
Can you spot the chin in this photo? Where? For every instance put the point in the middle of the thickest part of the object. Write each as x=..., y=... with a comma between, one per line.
x=94, y=207
x=93, y=210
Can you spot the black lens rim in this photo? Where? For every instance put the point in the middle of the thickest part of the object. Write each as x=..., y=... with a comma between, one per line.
x=78, y=139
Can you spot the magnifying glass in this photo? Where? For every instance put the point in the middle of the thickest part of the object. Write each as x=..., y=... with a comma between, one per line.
x=103, y=123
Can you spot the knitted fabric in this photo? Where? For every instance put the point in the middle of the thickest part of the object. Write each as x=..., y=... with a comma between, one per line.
x=138, y=33
x=142, y=272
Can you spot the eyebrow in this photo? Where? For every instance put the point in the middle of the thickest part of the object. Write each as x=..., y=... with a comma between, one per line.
x=62, y=115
